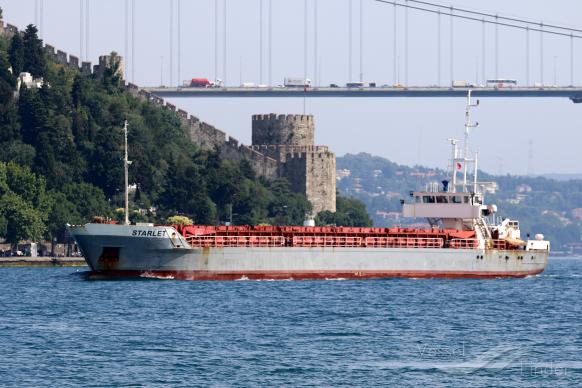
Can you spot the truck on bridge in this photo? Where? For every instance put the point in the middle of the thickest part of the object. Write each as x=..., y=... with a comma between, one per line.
x=203, y=83
x=296, y=82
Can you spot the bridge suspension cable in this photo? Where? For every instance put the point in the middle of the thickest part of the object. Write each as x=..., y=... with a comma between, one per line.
x=494, y=22
x=512, y=19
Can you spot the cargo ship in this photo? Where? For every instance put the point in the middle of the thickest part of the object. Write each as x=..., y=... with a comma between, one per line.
x=465, y=238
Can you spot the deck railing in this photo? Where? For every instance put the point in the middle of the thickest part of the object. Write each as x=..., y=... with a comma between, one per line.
x=464, y=243
x=236, y=241
x=326, y=241
x=404, y=242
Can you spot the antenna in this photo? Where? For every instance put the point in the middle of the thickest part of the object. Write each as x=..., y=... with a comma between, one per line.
x=126, y=164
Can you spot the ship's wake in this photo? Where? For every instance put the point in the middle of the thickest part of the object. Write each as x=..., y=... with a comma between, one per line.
x=151, y=275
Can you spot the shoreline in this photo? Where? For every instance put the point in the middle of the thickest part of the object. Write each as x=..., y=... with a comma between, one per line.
x=19, y=261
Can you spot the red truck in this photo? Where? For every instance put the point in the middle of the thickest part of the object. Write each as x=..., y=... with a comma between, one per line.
x=203, y=83
x=200, y=83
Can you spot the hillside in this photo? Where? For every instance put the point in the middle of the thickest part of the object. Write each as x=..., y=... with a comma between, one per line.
x=541, y=205
x=60, y=154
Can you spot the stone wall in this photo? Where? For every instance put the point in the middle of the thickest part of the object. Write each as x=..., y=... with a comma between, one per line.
x=295, y=170
x=275, y=129
x=321, y=182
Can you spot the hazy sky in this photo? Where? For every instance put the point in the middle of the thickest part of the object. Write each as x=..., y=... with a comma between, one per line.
x=409, y=131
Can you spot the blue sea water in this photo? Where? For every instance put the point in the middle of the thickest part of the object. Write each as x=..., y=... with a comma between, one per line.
x=57, y=328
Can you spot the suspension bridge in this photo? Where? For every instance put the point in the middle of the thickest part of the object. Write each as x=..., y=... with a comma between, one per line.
x=397, y=79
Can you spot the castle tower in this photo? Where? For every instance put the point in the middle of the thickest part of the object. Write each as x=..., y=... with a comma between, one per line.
x=293, y=130
x=310, y=169
x=106, y=61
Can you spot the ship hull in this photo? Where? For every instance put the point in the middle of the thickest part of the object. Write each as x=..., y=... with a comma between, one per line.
x=116, y=251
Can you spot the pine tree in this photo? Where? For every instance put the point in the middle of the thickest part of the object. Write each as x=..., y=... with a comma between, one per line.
x=34, y=59
x=16, y=54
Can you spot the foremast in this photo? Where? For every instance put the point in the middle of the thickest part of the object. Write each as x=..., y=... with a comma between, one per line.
x=126, y=164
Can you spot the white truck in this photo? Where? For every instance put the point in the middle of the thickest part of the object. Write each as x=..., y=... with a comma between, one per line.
x=460, y=84
x=296, y=82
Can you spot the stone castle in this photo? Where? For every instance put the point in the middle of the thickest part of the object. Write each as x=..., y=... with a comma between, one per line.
x=282, y=145
x=310, y=169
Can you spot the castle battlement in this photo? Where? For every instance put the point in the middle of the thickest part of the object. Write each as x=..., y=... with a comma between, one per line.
x=290, y=148
x=289, y=118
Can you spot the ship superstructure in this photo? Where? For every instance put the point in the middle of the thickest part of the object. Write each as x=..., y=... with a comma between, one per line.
x=465, y=238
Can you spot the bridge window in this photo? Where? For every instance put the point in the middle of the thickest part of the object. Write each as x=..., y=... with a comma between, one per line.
x=428, y=199
x=442, y=199
x=456, y=199
x=466, y=197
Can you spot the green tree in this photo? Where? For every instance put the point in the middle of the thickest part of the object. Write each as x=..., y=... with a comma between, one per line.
x=179, y=220
x=16, y=54
x=9, y=128
x=286, y=207
x=33, y=115
x=23, y=222
x=34, y=60
x=349, y=212
x=24, y=204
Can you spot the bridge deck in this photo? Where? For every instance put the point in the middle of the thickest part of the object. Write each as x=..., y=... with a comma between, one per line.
x=574, y=93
